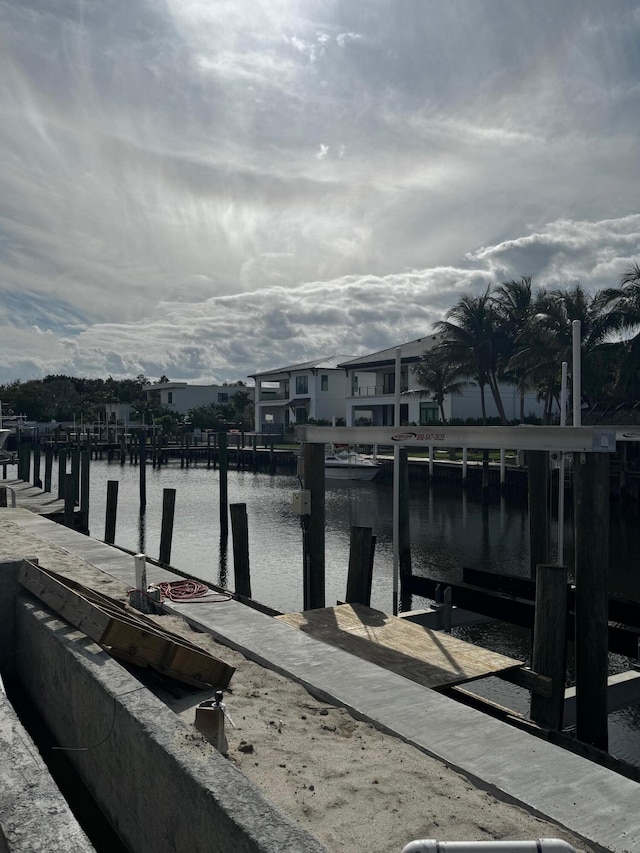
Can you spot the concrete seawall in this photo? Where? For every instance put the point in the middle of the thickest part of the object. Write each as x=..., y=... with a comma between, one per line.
x=161, y=785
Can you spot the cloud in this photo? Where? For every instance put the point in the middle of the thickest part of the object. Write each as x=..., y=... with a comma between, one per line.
x=199, y=189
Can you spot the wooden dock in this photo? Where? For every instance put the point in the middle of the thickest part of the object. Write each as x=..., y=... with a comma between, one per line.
x=30, y=497
x=430, y=658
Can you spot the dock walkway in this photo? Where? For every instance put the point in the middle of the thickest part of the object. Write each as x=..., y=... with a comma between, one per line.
x=591, y=801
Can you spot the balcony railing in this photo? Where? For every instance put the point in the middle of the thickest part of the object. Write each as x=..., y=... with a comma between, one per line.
x=375, y=391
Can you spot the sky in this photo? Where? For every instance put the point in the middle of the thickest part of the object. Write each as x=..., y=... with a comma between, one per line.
x=203, y=189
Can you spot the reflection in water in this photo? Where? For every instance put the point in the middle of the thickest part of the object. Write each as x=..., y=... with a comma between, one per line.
x=223, y=567
x=142, y=531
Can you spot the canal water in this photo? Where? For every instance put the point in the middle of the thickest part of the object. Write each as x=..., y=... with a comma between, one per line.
x=450, y=529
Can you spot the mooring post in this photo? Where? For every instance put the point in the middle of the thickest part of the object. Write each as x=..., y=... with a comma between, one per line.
x=85, y=464
x=36, y=466
x=223, y=462
x=465, y=465
x=69, y=501
x=48, y=468
x=166, y=533
x=404, y=526
x=550, y=643
x=112, y=509
x=240, y=534
x=62, y=472
x=75, y=473
x=591, y=513
x=359, y=576
x=142, y=449
x=538, y=486
x=313, y=540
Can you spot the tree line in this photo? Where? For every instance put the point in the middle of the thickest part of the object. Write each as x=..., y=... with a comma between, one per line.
x=67, y=398
x=517, y=335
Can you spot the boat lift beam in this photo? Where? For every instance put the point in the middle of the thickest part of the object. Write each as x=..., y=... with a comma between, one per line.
x=552, y=438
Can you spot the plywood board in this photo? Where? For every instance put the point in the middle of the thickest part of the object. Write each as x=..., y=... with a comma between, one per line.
x=431, y=658
x=122, y=632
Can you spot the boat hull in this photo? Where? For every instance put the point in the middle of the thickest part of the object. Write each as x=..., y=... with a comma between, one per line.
x=350, y=472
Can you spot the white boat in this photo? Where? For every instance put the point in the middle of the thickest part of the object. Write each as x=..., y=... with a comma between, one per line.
x=346, y=464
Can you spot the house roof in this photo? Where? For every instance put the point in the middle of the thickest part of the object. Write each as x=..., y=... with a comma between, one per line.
x=409, y=352
x=327, y=363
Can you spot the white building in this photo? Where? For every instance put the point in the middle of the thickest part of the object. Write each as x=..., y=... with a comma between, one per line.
x=295, y=394
x=371, y=391
x=180, y=397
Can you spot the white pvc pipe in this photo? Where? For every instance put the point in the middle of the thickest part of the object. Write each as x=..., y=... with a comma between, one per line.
x=563, y=422
x=540, y=845
x=396, y=489
x=576, y=370
x=140, y=561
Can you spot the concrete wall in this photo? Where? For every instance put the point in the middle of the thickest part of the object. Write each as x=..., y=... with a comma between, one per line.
x=161, y=784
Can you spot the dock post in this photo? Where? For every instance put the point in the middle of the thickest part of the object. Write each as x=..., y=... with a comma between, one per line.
x=166, y=533
x=36, y=466
x=223, y=463
x=240, y=534
x=591, y=513
x=85, y=464
x=538, y=485
x=75, y=473
x=142, y=449
x=313, y=539
x=550, y=643
x=62, y=471
x=465, y=465
x=112, y=509
x=360, y=572
x=48, y=468
x=69, y=501
x=404, y=527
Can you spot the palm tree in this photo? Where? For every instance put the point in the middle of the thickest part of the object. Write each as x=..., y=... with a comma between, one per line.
x=512, y=302
x=471, y=344
x=438, y=377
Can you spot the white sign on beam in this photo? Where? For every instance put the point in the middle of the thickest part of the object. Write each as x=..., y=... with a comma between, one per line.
x=566, y=439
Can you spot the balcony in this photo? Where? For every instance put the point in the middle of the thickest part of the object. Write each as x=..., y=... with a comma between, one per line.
x=375, y=391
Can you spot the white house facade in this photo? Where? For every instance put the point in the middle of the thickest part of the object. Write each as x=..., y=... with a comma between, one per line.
x=295, y=394
x=371, y=391
x=180, y=397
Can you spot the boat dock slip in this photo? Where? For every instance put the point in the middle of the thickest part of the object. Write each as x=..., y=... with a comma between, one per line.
x=592, y=801
x=431, y=658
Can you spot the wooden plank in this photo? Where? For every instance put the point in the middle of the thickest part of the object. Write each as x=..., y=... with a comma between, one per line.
x=428, y=657
x=123, y=633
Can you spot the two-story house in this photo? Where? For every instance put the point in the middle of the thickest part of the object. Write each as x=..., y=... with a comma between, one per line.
x=310, y=390
x=371, y=391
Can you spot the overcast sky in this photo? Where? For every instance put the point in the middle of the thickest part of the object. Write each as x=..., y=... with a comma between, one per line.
x=206, y=188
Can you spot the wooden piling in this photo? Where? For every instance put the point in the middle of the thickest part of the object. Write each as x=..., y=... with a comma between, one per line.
x=62, y=472
x=36, y=466
x=85, y=465
x=591, y=513
x=223, y=461
x=538, y=485
x=166, y=533
x=75, y=474
x=69, y=501
x=48, y=468
x=112, y=508
x=240, y=534
x=314, y=524
x=142, y=451
x=550, y=644
x=404, y=528
x=360, y=572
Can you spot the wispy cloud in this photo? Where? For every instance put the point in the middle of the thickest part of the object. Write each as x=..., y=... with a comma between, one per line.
x=199, y=189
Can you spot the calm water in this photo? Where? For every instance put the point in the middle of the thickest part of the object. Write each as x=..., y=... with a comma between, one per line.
x=449, y=530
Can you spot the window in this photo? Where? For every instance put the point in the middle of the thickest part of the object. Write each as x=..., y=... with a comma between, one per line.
x=223, y=397
x=429, y=413
x=169, y=397
x=324, y=382
x=389, y=383
x=301, y=415
x=302, y=384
